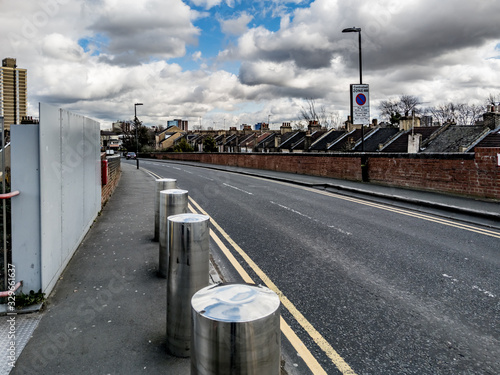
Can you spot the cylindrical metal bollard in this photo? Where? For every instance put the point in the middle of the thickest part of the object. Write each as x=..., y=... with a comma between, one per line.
x=172, y=202
x=188, y=272
x=235, y=330
x=161, y=184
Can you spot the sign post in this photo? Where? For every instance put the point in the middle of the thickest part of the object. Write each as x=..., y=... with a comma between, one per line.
x=360, y=108
x=360, y=104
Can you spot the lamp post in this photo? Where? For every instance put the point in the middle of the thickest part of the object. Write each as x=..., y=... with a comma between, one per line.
x=136, y=126
x=136, y=137
x=358, y=30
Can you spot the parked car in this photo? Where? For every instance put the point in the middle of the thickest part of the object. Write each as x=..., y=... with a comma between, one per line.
x=131, y=155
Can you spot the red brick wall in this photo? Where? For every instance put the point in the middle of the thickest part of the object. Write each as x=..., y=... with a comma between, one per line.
x=114, y=174
x=335, y=166
x=475, y=177
x=463, y=174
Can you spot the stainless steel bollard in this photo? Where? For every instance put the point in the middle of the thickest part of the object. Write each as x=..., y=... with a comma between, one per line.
x=188, y=272
x=161, y=184
x=172, y=202
x=235, y=330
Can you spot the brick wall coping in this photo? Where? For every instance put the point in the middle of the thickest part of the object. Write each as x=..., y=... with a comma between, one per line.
x=442, y=156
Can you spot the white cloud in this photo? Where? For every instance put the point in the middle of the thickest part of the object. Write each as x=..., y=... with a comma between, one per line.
x=236, y=26
x=444, y=54
x=60, y=47
x=140, y=30
x=196, y=56
x=207, y=4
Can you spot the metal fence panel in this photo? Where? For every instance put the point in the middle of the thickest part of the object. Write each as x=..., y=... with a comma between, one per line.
x=69, y=192
x=50, y=194
x=25, y=177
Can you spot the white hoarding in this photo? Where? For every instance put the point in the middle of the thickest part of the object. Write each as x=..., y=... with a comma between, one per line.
x=360, y=104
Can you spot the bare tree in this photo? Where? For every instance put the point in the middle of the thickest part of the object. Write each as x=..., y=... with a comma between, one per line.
x=323, y=116
x=299, y=125
x=468, y=114
x=391, y=110
x=388, y=108
x=462, y=113
x=443, y=113
x=492, y=99
x=335, y=120
x=309, y=113
x=408, y=104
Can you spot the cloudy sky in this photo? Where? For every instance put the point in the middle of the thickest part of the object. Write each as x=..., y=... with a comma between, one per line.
x=227, y=62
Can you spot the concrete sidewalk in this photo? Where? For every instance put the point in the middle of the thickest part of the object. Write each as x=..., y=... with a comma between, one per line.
x=107, y=314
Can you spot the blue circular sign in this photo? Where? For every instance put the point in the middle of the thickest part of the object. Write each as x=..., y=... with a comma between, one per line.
x=360, y=99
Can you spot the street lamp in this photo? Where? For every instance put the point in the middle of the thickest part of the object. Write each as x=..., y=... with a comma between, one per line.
x=136, y=126
x=358, y=30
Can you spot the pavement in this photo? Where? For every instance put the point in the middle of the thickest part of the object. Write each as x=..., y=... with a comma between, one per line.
x=107, y=315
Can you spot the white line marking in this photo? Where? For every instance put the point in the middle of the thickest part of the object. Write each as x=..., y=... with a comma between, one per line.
x=313, y=219
x=339, y=230
x=292, y=210
x=489, y=294
x=234, y=187
x=474, y=287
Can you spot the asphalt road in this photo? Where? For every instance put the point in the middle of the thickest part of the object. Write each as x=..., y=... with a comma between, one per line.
x=391, y=291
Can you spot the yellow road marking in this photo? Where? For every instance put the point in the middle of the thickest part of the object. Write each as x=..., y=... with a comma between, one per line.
x=337, y=360
x=299, y=346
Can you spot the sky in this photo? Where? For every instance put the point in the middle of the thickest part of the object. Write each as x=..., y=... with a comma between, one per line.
x=222, y=63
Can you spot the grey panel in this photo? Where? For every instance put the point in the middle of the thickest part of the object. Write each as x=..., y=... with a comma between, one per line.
x=90, y=150
x=50, y=193
x=26, y=206
x=70, y=186
x=72, y=182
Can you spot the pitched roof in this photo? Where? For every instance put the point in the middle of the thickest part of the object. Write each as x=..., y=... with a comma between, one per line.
x=323, y=142
x=170, y=129
x=263, y=136
x=288, y=139
x=268, y=141
x=231, y=140
x=247, y=140
x=492, y=139
x=375, y=138
x=343, y=143
x=454, y=138
x=400, y=143
x=300, y=145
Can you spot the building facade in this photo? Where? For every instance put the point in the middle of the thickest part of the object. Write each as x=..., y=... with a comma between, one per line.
x=181, y=124
x=13, y=92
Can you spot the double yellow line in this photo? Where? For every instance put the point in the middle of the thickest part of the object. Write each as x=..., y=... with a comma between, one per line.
x=304, y=353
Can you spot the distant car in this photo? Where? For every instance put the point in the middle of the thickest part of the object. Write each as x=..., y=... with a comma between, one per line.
x=131, y=155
